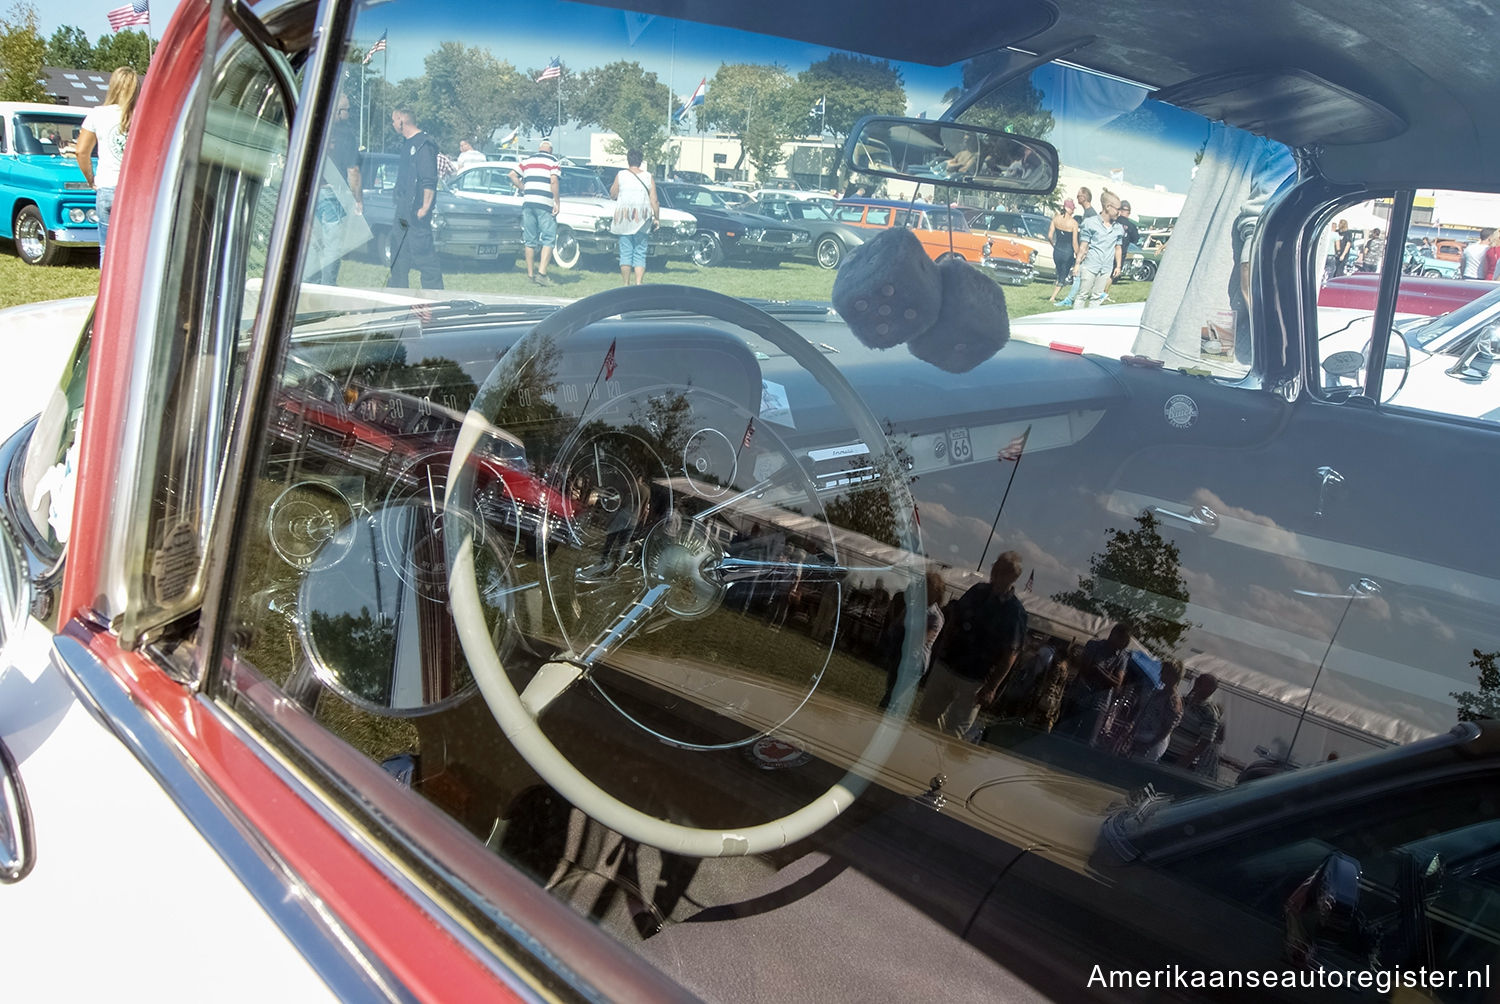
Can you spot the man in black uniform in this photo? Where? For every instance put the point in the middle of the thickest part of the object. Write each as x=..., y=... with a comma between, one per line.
x=416, y=187
x=343, y=153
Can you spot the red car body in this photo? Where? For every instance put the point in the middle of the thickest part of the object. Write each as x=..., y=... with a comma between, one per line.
x=1415, y=295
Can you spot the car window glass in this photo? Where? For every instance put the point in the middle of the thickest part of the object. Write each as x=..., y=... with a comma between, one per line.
x=195, y=359
x=1446, y=326
x=1172, y=168
x=704, y=550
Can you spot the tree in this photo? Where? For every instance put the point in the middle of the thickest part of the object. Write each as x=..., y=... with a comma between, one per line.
x=763, y=105
x=853, y=87
x=629, y=102
x=1015, y=106
x=1472, y=706
x=1137, y=578
x=464, y=93
x=122, y=48
x=70, y=47
x=22, y=53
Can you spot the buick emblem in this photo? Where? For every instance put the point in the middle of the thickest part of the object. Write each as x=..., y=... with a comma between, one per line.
x=1181, y=411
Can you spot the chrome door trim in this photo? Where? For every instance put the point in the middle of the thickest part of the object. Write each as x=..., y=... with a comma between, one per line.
x=17, y=835
x=344, y=963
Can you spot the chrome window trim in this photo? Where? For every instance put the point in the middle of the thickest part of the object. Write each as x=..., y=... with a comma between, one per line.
x=126, y=528
x=343, y=962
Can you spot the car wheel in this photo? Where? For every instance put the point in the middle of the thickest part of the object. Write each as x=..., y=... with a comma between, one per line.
x=33, y=243
x=1432, y=273
x=1146, y=271
x=950, y=256
x=708, y=251
x=830, y=252
x=566, y=252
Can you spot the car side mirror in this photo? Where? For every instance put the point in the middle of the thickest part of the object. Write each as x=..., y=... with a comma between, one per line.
x=1324, y=908
x=1475, y=364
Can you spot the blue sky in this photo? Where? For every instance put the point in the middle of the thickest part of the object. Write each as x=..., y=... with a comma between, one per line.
x=528, y=33
x=90, y=15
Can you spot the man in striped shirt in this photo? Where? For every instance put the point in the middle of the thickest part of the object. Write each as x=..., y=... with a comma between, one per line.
x=538, y=180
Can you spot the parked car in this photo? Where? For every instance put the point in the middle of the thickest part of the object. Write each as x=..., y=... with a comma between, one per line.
x=1028, y=229
x=945, y=234
x=287, y=713
x=831, y=239
x=46, y=207
x=1422, y=262
x=587, y=212
x=462, y=227
x=1415, y=295
x=726, y=234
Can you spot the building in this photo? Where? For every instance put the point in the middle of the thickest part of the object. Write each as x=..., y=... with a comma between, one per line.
x=75, y=87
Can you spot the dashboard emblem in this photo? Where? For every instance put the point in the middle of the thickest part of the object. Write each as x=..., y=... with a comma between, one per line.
x=1181, y=411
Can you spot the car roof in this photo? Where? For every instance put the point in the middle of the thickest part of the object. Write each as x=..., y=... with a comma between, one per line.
x=1379, y=86
x=69, y=111
x=897, y=204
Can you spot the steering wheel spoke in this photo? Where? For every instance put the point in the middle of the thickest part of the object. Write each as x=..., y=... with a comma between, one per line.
x=668, y=500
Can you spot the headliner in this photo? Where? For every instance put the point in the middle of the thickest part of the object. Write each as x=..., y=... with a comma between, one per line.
x=1429, y=61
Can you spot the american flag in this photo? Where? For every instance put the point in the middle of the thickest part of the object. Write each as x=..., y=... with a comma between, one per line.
x=1012, y=450
x=136, y=13
x=1030, y=580
x=552, y=70
x=609, y=361
x=749, y=435
x=379, y=46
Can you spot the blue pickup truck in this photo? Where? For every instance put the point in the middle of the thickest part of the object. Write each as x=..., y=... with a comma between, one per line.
x=45, y=205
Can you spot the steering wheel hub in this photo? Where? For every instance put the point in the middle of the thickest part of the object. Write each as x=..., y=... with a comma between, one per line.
x=680, y=554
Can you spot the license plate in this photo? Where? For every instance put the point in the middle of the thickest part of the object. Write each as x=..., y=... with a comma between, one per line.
x=489, y=250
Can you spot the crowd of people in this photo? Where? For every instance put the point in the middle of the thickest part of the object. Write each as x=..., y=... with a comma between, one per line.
x=978, y=659
x=1479, y=259
x=1088, y=246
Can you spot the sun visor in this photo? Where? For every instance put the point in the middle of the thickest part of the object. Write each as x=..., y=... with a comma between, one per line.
x=951, y=31
x=1291, y=106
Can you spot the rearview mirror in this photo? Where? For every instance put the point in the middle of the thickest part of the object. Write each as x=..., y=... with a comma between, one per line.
x=944, y=153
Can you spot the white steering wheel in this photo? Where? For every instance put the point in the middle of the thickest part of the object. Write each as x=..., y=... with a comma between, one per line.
x=518, y=711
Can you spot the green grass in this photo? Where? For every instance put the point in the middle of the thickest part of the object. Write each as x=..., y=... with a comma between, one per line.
x=22, y=283
x=788, y=281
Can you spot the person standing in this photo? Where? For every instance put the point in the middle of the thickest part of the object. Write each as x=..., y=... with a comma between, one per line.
x=1473, y=256
x=343, y=153
x=1086, y=211
x=538, y=178
x=1158, y=715
x=416, y=188
x=982, y=635
x=1342, y=249
x=104, y=129
x=1372, y=252
x=1099, y=240
x=1063, y=233
x=1195, y=741
x=1101, y=670
x=467, y=155
x=1132, y=238
x=636, y=215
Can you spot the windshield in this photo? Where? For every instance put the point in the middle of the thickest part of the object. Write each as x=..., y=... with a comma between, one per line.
x=1458, y=319
x=48, y=135
x=701, y=441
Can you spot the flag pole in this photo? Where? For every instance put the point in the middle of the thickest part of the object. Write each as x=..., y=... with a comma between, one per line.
x=999, y=509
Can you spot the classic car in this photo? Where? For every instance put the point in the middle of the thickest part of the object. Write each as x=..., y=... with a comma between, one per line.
x=587, y=212
x=46, y=207
x=732, y=234
x=945, y=235
x=1417, y=294
x=1028, y=229
x=673, y=739
x=462, y=227
x=831, y=238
